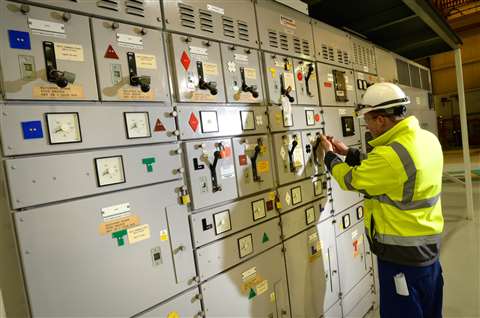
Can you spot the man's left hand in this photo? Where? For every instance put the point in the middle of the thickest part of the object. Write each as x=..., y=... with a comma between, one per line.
x=326, y=144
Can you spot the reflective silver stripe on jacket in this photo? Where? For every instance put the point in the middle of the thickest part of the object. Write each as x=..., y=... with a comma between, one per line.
x=407, y=202
x=408, y=240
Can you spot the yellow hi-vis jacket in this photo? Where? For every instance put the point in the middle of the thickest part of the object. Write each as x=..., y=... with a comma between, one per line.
x=401, y=179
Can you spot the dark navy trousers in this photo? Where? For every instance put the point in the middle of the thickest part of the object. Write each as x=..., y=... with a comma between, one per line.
x=425, y=287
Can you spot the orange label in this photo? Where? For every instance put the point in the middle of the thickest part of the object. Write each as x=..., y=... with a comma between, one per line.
x=131, y=93
x=119, y=224
x=200, y=96
x=55, y=92
x=263, y=166
x=252, y=283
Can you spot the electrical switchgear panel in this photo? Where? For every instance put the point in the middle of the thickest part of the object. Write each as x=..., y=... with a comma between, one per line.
x=306, y=82
x=336, y=86
x=362, y=82
x=292, y=118
x=342, y=124
x=304, y=191
x=49, y=54
x=313, y=152
x=333, y=46
x=289, y=157
x=227, y=21
x=198, y=69
x=253, y=164
x=212, y=172
x=243, y=77
x=280, y=78
x=186, y=305
x=364, y=59
x=131, y=62
x=143, y=12
x=283, y=30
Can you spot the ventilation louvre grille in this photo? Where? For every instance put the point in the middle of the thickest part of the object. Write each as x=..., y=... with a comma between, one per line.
x=297, y=46
x=135, y=7
x=108, y=4
x=306, y=48
x=206, y=21
x=243, y=32
x=228, y=27
x=284, y=41
x=187, y=15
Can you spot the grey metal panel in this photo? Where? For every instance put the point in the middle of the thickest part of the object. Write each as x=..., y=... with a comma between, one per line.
x=312, y=271
x=343, y=199
x=387, y=70
x=109, y=277
x=43, y=179
x=230, y=120
x=202, y=186
x=364, y=58
x=146, y=12
x=253, y=178
x=338, y=123
x=362, y=82
x=223, y=254
x=101, y=125
x=149, y=56
x=313, y=152
x=284, y=30
x=327, y=84
x=300, y=117
x=334, y=312
x=415, y=76
x=352, y=252
x=310, y=190
x=332, y=45
x=403, y=72
x=289, y=161
x=307, y=90
x=186, y=305
x=237, y=59
x=299, y=219
x=187, y=54
x=425, y=77
x=241, y=215
x=279, y=74
x=227, y=21
x=360, y=299
x=264, y=275
x=70, y=37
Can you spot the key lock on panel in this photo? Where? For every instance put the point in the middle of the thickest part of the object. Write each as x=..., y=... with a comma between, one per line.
x=306, y=71
x=340, y=86
x=54, y=75
x=315, y=149
x=244, y=87
x=219, y=153
x=291, y=151
x=253, y=155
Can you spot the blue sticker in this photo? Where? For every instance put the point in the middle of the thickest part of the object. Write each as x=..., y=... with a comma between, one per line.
x=19, y=40
x=32, y=129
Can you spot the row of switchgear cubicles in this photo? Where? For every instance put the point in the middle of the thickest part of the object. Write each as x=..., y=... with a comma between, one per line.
x=162, y=159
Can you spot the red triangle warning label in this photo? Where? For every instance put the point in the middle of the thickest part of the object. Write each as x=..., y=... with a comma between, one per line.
x=159, y=126
x=110, y=53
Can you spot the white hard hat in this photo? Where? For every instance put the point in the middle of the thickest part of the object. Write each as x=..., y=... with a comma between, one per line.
x=382, y=96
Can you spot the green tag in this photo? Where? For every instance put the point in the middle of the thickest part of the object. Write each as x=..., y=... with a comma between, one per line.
x=265, y=238
x=252, y=293
x=149, y=162
x=119, y=236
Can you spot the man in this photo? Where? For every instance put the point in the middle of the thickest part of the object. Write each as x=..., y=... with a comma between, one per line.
x=401, y=179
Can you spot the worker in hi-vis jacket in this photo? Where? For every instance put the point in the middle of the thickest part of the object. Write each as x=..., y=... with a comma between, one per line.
x=401, y=179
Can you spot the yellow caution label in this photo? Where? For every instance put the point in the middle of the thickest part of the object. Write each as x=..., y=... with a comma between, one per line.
x=55, y=92
x=134, y=93
x=119, y=224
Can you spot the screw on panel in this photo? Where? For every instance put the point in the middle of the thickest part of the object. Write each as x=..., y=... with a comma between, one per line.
x=66, y=16
x=27, y=252
x=21, y=219
x=167, y=21
x=34, y=181
x=24, y=8
x=12, y=167
x=115, y=25
x=159, y=19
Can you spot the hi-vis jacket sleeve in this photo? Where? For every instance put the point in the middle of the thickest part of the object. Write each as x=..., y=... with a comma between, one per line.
x=374, y=176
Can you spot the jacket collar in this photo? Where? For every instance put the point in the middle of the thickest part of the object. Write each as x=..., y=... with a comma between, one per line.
x=405, y=126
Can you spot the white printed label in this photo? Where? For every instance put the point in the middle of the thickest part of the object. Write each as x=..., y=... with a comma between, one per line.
x=48, y=26
x=138, y=233
x=115, y=211
x=241, y=57
x=248, y=274
x=130, y=39
x=289, y=81
x=215, y=9
x=227, y=172
x=146, y=61
x=349, y=88
x=198, y=50
x=342, y=111
x=354, y=234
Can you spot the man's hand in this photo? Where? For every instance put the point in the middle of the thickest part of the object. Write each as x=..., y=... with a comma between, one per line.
x=326, y=144
x=338, y=146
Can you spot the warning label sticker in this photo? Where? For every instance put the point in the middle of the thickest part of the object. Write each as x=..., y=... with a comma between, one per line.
x=55, y=92
x=118, y=224
x=288, y=22
x=128, y=93
x=146, y=61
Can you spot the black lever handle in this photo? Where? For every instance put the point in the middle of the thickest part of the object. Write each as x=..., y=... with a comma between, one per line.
x=135, y=79
x=202, y=84
x=245, y=88
x=307, y=78
x=217, y=155
x=318, y=140
x=290, y=155
x=61, y=78
x=285, y=91
x=258, y=149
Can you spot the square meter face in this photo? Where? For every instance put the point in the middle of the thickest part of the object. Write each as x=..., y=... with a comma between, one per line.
x=63, y=128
